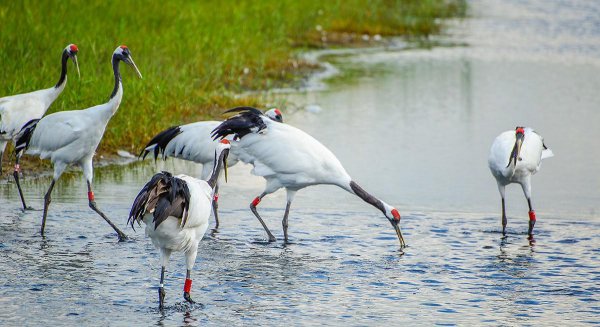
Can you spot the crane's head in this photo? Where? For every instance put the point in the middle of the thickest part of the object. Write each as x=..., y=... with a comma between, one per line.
x=122, y=53
x=516, y=151
x=71, y=51
x=393, y=217
x=221, y=154
x=274, y=114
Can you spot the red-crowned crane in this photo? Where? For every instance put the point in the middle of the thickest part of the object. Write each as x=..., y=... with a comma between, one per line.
x=290, y=158
x=193, y=142
x=175, y=210
x=515, y=156
x=17, y=110
x=71, y=137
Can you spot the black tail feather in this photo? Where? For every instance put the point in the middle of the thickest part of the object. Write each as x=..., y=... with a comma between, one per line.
x=248, y=120
x=138, y=209
x=160, y=142
x=24, y=136
x=166, y=195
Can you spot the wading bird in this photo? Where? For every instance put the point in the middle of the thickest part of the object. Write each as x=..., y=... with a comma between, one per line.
x=288, y=157
x=514, y=157
x=175, y=211
x=17, y=110
x=193, y=142
x=71, y=137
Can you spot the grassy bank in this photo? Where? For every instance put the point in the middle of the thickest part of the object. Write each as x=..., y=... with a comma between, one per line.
x=195, y=56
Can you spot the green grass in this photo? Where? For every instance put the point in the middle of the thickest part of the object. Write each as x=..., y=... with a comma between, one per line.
x=193, y=54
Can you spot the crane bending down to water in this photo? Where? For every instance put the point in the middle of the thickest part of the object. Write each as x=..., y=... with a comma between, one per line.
x=289, y=158
x=71, y=137
x=17, y=110
x=514, y=157
x=175, y=210
x=193, y=142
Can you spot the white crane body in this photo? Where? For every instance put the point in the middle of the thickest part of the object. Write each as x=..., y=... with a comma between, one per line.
x=514, y=157
x=290, y=158
x=175, y=210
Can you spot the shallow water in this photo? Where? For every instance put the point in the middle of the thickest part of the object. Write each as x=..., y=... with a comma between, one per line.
x=414, y=128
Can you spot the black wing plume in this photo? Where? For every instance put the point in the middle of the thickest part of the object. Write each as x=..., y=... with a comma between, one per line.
x=138, y=209
x=24, y=136
x=160, y=142
x=248, y=120
x=164, y=196
x=245, y=109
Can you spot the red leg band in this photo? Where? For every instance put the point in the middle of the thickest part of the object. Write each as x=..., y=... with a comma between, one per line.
x=17, y=168
x=187, y=287
x=256, y=201
x=216, y=197
x=532, y=215
x=91, y=196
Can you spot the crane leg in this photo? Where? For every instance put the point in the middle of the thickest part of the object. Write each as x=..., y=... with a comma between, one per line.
x=215, y=205
x=47, y=200
x=531, y=218
x=526, y=185
x=92, y=203
x=504, y=220
x=1, y=156
x=284, y=223
x=187, y=288
x=161, y=289
x=16, y=176
x=253, y=208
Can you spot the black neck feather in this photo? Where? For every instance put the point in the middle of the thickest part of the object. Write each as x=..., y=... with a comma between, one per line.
x=115, y=64
x=63, y=72
x=367, y=197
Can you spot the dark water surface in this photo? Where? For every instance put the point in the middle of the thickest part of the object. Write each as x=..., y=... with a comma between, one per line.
x=413, y=128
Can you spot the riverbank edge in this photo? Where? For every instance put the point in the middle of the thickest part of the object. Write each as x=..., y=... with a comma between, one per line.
x=33, y=168
x=314, y=79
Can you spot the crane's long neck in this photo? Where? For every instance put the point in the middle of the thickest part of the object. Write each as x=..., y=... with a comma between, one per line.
x=117, y=93
x=218, y=166
x=361, y=193
x=63, y=72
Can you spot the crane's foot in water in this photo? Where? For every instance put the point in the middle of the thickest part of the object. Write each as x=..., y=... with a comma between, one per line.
x=161, y=298
x=188, y=297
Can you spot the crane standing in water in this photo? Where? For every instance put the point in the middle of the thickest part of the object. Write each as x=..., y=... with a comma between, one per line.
x=514, y=157
x=175, y=210
x=71, y=137
x=289, y=158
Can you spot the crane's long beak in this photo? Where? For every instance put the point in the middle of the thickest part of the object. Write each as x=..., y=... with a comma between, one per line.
x=514, y=155
x=395, y=221
x=399, y=233
x=130, y=62
x=74, y=58
x=224, y=156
